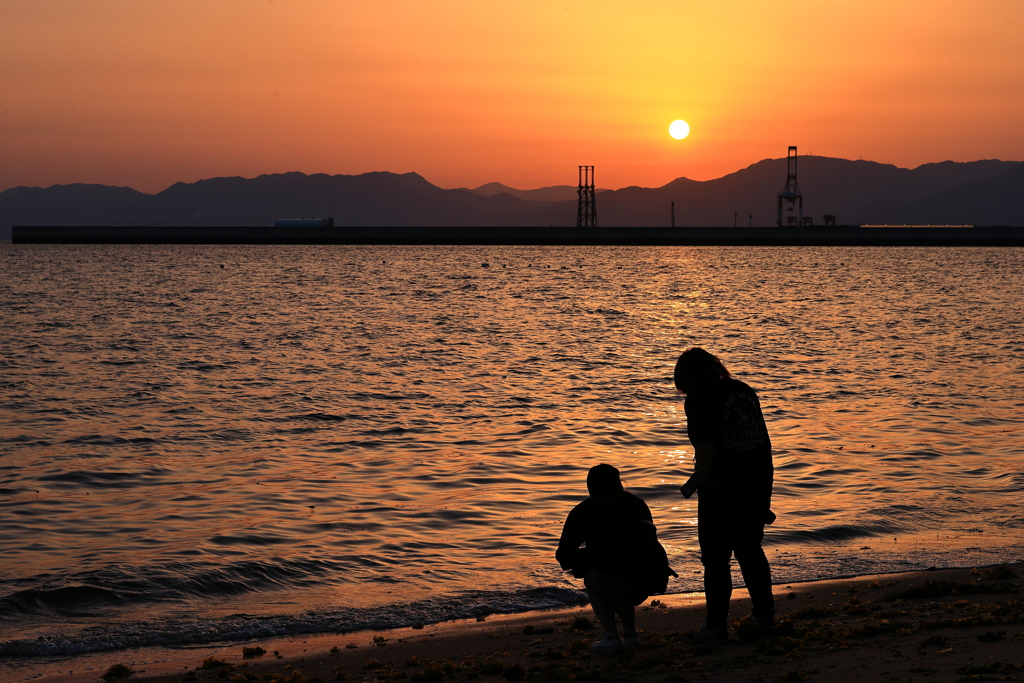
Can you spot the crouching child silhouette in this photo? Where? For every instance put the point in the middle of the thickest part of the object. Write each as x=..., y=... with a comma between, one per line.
x=622, y=563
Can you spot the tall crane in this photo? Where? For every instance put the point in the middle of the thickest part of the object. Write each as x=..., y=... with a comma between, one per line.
x=791, y=193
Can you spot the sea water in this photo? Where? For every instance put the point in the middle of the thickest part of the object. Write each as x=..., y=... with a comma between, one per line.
x=203, y=444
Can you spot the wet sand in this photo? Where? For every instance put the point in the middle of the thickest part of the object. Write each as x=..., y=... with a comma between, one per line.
x=944, y=625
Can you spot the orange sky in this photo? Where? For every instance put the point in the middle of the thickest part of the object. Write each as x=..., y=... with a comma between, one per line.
x=148, y=92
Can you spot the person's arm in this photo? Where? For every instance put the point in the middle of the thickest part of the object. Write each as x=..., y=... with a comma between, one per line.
x=700, y=421
x=703, y=457
x=569, y=544
x=646, y=511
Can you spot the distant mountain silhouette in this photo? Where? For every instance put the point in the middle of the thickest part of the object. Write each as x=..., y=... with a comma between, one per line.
x=75, y=204
x=368, y=199
x=995, y=200
x=987, y=192
x=856, y=192
x=555, y=193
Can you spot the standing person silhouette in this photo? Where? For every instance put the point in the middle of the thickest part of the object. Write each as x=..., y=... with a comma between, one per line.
x=733, y=463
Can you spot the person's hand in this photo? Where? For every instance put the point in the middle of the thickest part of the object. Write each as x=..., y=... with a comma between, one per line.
x=690, y=487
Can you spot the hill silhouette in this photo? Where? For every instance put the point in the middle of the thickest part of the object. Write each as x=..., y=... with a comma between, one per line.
x=856, y=192
x=554, y=193
x=989, y=192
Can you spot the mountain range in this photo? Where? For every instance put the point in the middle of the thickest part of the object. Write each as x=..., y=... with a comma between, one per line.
x=989, y=192
x=554, y=193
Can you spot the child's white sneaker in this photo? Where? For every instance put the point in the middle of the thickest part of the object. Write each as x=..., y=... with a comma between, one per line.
x=610, y=642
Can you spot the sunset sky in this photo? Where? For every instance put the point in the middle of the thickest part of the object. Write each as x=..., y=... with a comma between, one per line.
x=145, y=93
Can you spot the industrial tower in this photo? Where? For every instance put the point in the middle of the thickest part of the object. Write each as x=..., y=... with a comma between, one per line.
x=586, y=212
x=791, y=193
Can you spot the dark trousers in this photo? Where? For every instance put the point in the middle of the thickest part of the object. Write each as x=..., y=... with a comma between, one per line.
x=723, y=533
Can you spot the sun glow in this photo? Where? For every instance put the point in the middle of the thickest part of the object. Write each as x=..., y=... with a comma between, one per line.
x=679, y=129
x=109, y=93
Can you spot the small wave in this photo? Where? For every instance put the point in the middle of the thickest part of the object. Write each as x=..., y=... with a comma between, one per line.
x=242, y=627
x=202, y=367
x=348, y=527
x=1015, y=482
x=118, y=586
x=322, y=417
x=837, y=532
x=96, y=440
x=101, y=479
x=17, y=384
x=248, y=539
x=66, y=601
x=534, y=428
x=24, y=439
x=375, y=396
x=386, y=432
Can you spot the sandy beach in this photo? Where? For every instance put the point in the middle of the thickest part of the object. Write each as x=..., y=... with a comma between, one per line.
x=942, y=625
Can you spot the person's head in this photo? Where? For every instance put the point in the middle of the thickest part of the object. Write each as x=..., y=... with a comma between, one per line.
x=603, y=480
x=697, y=367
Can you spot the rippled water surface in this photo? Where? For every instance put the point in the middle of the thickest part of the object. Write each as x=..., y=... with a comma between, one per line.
x=219, y=442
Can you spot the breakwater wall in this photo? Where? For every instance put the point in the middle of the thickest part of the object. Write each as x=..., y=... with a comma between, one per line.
x=807, y=236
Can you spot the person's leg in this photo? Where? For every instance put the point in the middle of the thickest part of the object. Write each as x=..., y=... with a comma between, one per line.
x=717, y=590
x=630, y=639
x=715, y=552
x=624, y=608
x=604, y=609
x=600, y=588
x=757, y=573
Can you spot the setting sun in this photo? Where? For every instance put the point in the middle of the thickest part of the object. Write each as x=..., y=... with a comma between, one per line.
x=679, y=129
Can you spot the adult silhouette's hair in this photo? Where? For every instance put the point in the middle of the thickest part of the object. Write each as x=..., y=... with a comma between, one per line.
x=603, y=480
x=696, y=367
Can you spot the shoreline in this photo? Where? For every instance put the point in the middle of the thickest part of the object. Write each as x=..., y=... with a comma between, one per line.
x=922, y=625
